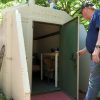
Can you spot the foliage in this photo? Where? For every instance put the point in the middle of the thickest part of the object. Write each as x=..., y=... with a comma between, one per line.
x=42, y=2
x=8, y=3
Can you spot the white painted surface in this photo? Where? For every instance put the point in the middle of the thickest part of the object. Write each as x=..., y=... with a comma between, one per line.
x=15, y=76
x=30, y=14
x=44, y=14
x=56, y=69
x=2, y=36
x=28, y=40
x=84, y=62
x=0, y=45
x=20, y=80
x=8, y=55
x=31, y=2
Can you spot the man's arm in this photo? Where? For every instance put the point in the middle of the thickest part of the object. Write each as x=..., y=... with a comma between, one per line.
x=95, y=54
x=83, y=51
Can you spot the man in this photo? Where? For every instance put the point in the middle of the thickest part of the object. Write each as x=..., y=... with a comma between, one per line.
x=93, y=47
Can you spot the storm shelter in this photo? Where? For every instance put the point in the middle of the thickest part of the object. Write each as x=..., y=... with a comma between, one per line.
x=42, y=37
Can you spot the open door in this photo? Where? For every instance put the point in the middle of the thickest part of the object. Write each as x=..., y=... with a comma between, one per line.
x=69, y=59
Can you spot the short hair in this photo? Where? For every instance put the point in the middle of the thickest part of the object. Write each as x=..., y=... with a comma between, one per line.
x=84, y=5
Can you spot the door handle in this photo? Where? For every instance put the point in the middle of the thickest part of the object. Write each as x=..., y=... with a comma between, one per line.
x=74, y=56
x=74, y=59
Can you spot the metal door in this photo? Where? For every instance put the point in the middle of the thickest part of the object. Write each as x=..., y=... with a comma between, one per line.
x=68, y=58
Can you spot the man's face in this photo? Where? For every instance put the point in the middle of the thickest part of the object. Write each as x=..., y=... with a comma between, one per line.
x=85, y=13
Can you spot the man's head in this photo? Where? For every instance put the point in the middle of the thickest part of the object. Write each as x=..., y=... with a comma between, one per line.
x=87, y=10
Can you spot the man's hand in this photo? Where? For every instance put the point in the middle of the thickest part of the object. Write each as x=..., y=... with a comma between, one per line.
x=95, y=55
x=82, y=52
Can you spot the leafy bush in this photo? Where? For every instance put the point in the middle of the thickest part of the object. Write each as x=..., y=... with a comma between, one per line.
x=2, y=95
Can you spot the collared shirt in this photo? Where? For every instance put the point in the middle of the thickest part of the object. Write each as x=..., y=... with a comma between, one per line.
x=93, y=30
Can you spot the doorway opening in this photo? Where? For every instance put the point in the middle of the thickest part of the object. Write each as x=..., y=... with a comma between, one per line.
x=62, y=72
x=45, y=49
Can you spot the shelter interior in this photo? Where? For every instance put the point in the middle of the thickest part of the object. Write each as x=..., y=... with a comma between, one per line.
x=45, y=43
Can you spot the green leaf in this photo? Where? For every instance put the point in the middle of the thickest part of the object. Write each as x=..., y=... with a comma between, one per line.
x=5, y=1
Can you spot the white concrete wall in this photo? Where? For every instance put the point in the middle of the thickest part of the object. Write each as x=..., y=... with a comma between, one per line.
x=28, y=40
x=4, y=72
x=84, y=62
x=1, y=43
x=20, y=80
x=30, y=14
x=1, y=70
x=44, y=14
x=15, y=82
x=7, y=62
